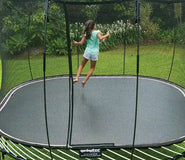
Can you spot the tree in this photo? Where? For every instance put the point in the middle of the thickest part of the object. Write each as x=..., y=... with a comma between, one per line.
x=91, y=12
x=149, y=28
x=125, y=11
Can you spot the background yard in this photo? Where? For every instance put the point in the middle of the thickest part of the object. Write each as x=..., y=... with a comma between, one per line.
x=155, y=61
x=161, y=25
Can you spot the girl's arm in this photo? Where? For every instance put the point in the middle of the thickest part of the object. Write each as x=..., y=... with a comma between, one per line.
x=103, y=37
x=81, y=42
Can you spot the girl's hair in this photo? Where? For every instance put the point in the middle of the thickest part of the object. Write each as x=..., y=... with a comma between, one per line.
x=89, y=26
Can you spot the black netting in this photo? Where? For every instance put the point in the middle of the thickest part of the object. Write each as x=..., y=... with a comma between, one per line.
x=147, y=44
x=22, y=32
x=162, y=41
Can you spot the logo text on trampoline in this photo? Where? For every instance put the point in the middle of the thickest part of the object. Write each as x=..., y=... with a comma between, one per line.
x=90, y=153
x=90, y=150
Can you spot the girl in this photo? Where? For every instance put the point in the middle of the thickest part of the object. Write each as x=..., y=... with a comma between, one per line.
x=92, y=49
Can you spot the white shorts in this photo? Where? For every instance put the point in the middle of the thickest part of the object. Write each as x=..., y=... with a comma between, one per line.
x=91, y=57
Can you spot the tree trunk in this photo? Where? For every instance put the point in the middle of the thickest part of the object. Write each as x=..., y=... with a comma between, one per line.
x=178, y=12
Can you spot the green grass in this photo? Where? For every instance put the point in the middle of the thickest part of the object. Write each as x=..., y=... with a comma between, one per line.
x=155, y=61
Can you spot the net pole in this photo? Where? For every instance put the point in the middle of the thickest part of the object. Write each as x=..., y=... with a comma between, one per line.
x=124, y=48
x=78, y=58
x=29, y=63
x=70, y=121
x=137, y=77
x=124, y=54
x=173, y=56
x=44, y=75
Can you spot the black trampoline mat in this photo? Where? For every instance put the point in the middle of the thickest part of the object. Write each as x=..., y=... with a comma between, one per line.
x=104, y=112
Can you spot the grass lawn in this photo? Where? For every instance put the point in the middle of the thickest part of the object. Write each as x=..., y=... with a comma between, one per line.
x=155, y=61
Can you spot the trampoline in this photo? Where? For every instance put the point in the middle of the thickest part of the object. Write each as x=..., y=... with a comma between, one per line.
x=102, y=117
x=135, y=100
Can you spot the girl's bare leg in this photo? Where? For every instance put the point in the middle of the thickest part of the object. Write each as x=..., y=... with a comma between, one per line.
x=92, y=68
x=83, y=62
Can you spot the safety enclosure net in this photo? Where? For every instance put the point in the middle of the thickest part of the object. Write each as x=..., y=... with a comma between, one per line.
x=136, y=95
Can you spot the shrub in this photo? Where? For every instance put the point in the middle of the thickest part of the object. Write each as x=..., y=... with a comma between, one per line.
x=180, y=33
x=120, y=33
x=57, y=46
x=56, y=33
x=15, y=44
x=150, y=30
x=177, y=34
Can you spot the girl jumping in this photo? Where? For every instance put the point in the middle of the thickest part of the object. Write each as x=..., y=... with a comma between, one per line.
x=92, y=49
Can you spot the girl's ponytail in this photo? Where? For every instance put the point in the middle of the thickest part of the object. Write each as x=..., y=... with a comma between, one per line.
x=89, y=26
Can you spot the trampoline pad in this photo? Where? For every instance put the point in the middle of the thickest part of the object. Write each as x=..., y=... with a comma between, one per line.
x=103, y=112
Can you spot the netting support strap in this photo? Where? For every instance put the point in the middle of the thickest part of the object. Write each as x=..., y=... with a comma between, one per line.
x=137, y=79
x=44, y=74
x=70, y=121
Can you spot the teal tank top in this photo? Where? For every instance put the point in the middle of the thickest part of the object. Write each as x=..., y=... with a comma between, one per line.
x=92, y=47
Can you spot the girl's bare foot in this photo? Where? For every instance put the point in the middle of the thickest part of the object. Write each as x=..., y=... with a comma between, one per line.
x=83, y=83
x=75, y=80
